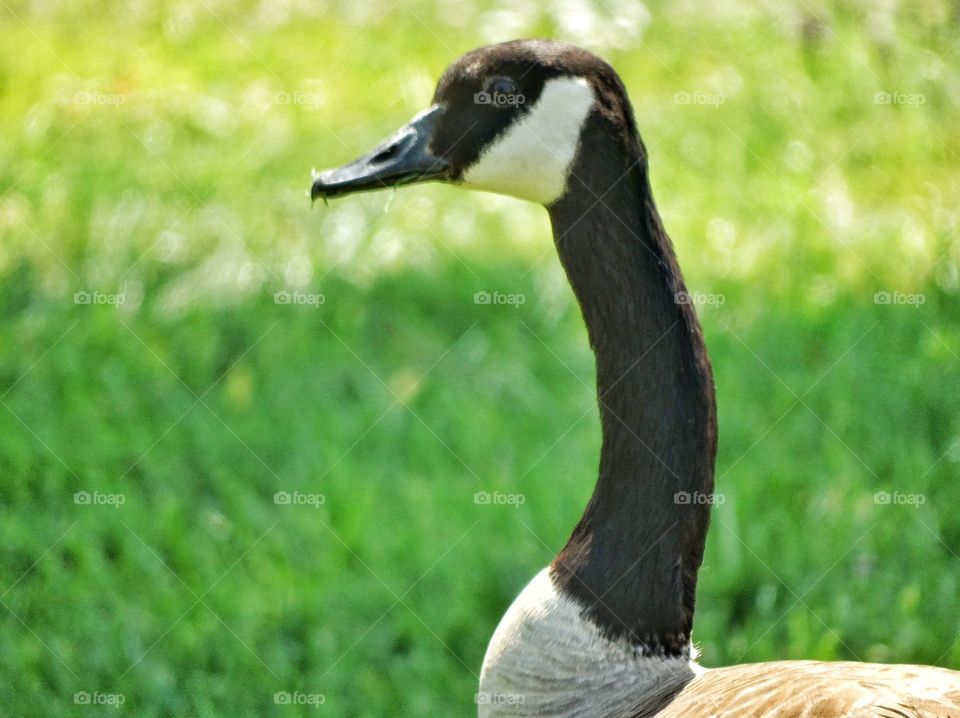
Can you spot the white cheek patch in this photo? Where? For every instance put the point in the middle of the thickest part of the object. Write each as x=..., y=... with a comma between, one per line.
x=532, y=159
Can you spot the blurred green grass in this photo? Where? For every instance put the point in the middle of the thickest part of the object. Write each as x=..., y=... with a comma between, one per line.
x=161, y=152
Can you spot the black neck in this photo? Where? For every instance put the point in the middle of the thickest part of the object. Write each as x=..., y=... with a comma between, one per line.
x=632, y=561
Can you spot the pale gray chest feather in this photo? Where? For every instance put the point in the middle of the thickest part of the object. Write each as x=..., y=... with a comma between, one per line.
x=545, y=660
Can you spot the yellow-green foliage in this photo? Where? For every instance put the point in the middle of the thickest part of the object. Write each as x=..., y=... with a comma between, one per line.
x=154, y=159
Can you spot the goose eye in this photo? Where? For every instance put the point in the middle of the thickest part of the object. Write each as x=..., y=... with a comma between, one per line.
x=502, y=86
x=500, y=92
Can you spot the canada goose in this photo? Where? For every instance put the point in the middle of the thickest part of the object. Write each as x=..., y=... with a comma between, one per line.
x=605, y=629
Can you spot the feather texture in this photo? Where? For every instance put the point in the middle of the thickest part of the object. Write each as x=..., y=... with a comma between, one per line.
x=813, y=689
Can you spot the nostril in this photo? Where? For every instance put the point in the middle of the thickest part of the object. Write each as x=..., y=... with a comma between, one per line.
x=387, y=153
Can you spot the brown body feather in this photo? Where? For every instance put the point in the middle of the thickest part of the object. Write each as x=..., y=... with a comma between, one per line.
x=812, y=689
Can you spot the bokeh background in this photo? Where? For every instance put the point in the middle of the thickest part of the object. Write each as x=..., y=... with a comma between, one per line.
x=184, y=337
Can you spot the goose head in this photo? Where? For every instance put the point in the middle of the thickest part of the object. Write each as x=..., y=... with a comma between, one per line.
x=508, y=119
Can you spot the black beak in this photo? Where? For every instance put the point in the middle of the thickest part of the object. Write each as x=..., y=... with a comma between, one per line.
x=402, y=159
